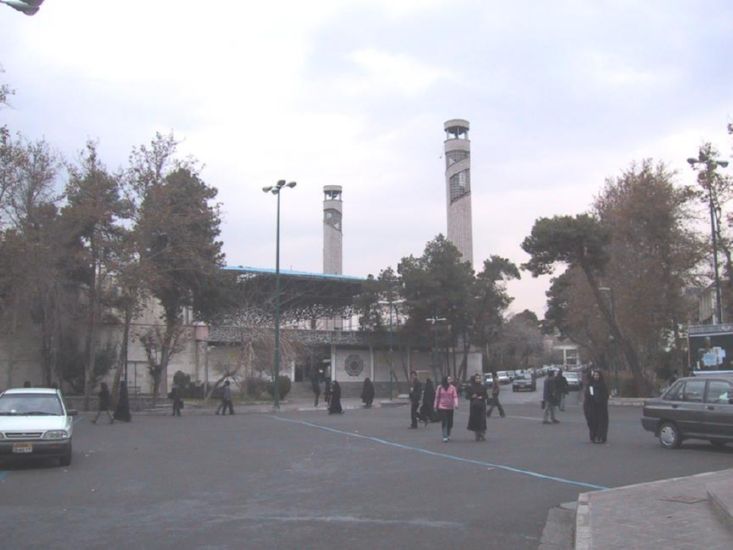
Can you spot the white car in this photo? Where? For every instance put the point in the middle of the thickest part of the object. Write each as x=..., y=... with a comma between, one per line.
x=503, y=377
x=34, y=422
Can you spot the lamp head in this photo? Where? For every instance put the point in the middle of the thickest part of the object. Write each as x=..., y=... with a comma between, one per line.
x=691, y=161
x=723, y=163
x=267, y=189
x=293, y=184
x=280, y=184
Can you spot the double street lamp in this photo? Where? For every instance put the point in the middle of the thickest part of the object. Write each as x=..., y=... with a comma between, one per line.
x=275, y=190
x=28, y=7
x=706, y=178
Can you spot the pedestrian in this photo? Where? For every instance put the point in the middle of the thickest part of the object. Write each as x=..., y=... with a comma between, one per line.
x=550, y=399
x=122, y=412
x=446, y=402
x=175, y=396
x=226, y=399
x=415, y=395
x=316, y=386
x=327, y=391
x=477, y=408
x=562, y=389
x=495, y=390
x=367, y=393
x=595, y=408
x=104, y=403
x=427, y=412
x=334, y=405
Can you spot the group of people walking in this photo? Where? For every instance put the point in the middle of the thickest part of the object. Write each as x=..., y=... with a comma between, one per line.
x=104, y=404
x=444, y=401
x=331, y=393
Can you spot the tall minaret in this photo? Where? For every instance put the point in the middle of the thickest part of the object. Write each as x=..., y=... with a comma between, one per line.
x=333, y=237
x=332, y=230
x=458, y=186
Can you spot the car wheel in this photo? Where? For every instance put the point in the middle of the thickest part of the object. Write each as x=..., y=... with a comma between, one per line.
x=669, y=436
x=66, y=459
x=719, y=443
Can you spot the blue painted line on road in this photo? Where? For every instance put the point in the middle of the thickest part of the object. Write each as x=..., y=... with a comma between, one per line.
x=444, y=455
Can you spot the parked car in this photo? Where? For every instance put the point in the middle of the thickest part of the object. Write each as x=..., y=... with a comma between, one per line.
x=573, y=380
x=34, y=422
x=503, y=377
x=524, y=382
x=698, y=407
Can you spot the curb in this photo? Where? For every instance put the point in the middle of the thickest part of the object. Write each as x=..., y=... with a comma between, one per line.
x=583, y=532
x=627, y=401
x=721, y=502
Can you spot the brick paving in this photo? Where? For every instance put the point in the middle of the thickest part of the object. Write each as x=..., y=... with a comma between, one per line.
x=672, y=514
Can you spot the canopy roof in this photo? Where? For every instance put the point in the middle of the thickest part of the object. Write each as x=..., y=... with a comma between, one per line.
x=303, y=295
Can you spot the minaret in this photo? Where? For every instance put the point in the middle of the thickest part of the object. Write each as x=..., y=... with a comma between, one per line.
x=332, y=230
x=333, y=239
x=458, y=186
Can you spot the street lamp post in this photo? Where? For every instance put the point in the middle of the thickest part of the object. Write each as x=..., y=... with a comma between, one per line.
x=275, y=190
x=433, y=321
x=706, y=178
x=391, y=304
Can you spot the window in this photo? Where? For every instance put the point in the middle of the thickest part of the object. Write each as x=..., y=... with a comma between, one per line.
x=451, y=157
x=460, y=185
x=694, y=390
x=674, y=393
x=719, y=392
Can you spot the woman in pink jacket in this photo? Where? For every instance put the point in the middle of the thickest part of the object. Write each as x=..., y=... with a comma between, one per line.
x=446, y=401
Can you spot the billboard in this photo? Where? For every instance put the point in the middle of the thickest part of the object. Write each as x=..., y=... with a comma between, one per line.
x=710, y=348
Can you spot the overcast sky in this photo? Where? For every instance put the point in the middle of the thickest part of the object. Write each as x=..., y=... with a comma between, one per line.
x=560, y=95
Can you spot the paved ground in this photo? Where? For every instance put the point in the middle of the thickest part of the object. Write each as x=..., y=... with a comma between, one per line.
x=309, y=480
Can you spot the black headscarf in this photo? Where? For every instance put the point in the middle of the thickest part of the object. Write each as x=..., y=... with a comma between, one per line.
x=444, y=383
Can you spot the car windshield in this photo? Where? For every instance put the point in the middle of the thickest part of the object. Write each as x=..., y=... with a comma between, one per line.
x=30, y=404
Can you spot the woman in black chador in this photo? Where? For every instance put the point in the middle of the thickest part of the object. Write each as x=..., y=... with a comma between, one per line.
x=334, y=406
x=122, y=412
x=595, y=407
x=427, y=412
x=367, y=393
x=477, y=411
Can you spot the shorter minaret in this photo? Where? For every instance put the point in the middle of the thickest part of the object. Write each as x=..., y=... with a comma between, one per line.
x=332, y=230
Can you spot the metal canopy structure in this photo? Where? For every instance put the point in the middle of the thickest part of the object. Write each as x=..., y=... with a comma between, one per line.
x=303, y=295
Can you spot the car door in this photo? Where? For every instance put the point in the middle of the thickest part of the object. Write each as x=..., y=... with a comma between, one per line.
x=719, y=408
x=690, y=411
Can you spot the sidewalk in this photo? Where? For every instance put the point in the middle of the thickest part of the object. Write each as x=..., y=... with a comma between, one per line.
x=263, y=407
x=682, y=513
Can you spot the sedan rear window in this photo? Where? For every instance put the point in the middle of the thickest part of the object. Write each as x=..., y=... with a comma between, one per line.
x=719, y=392
x=694, y=390
x=30, y=404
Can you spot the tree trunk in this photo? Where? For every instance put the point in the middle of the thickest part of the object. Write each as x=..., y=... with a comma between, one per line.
x=91, y=338
x=627, y=349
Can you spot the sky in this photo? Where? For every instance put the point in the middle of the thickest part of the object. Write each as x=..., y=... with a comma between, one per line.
x=560, y=96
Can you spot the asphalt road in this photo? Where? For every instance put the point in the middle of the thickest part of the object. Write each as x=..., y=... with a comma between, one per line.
x=310, y=480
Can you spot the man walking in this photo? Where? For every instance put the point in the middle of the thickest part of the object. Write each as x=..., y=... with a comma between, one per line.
x=549, y=399
x=562, y=389
x=415, y=394
x=104, y=404
x=495, y=389
x=226, y=399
